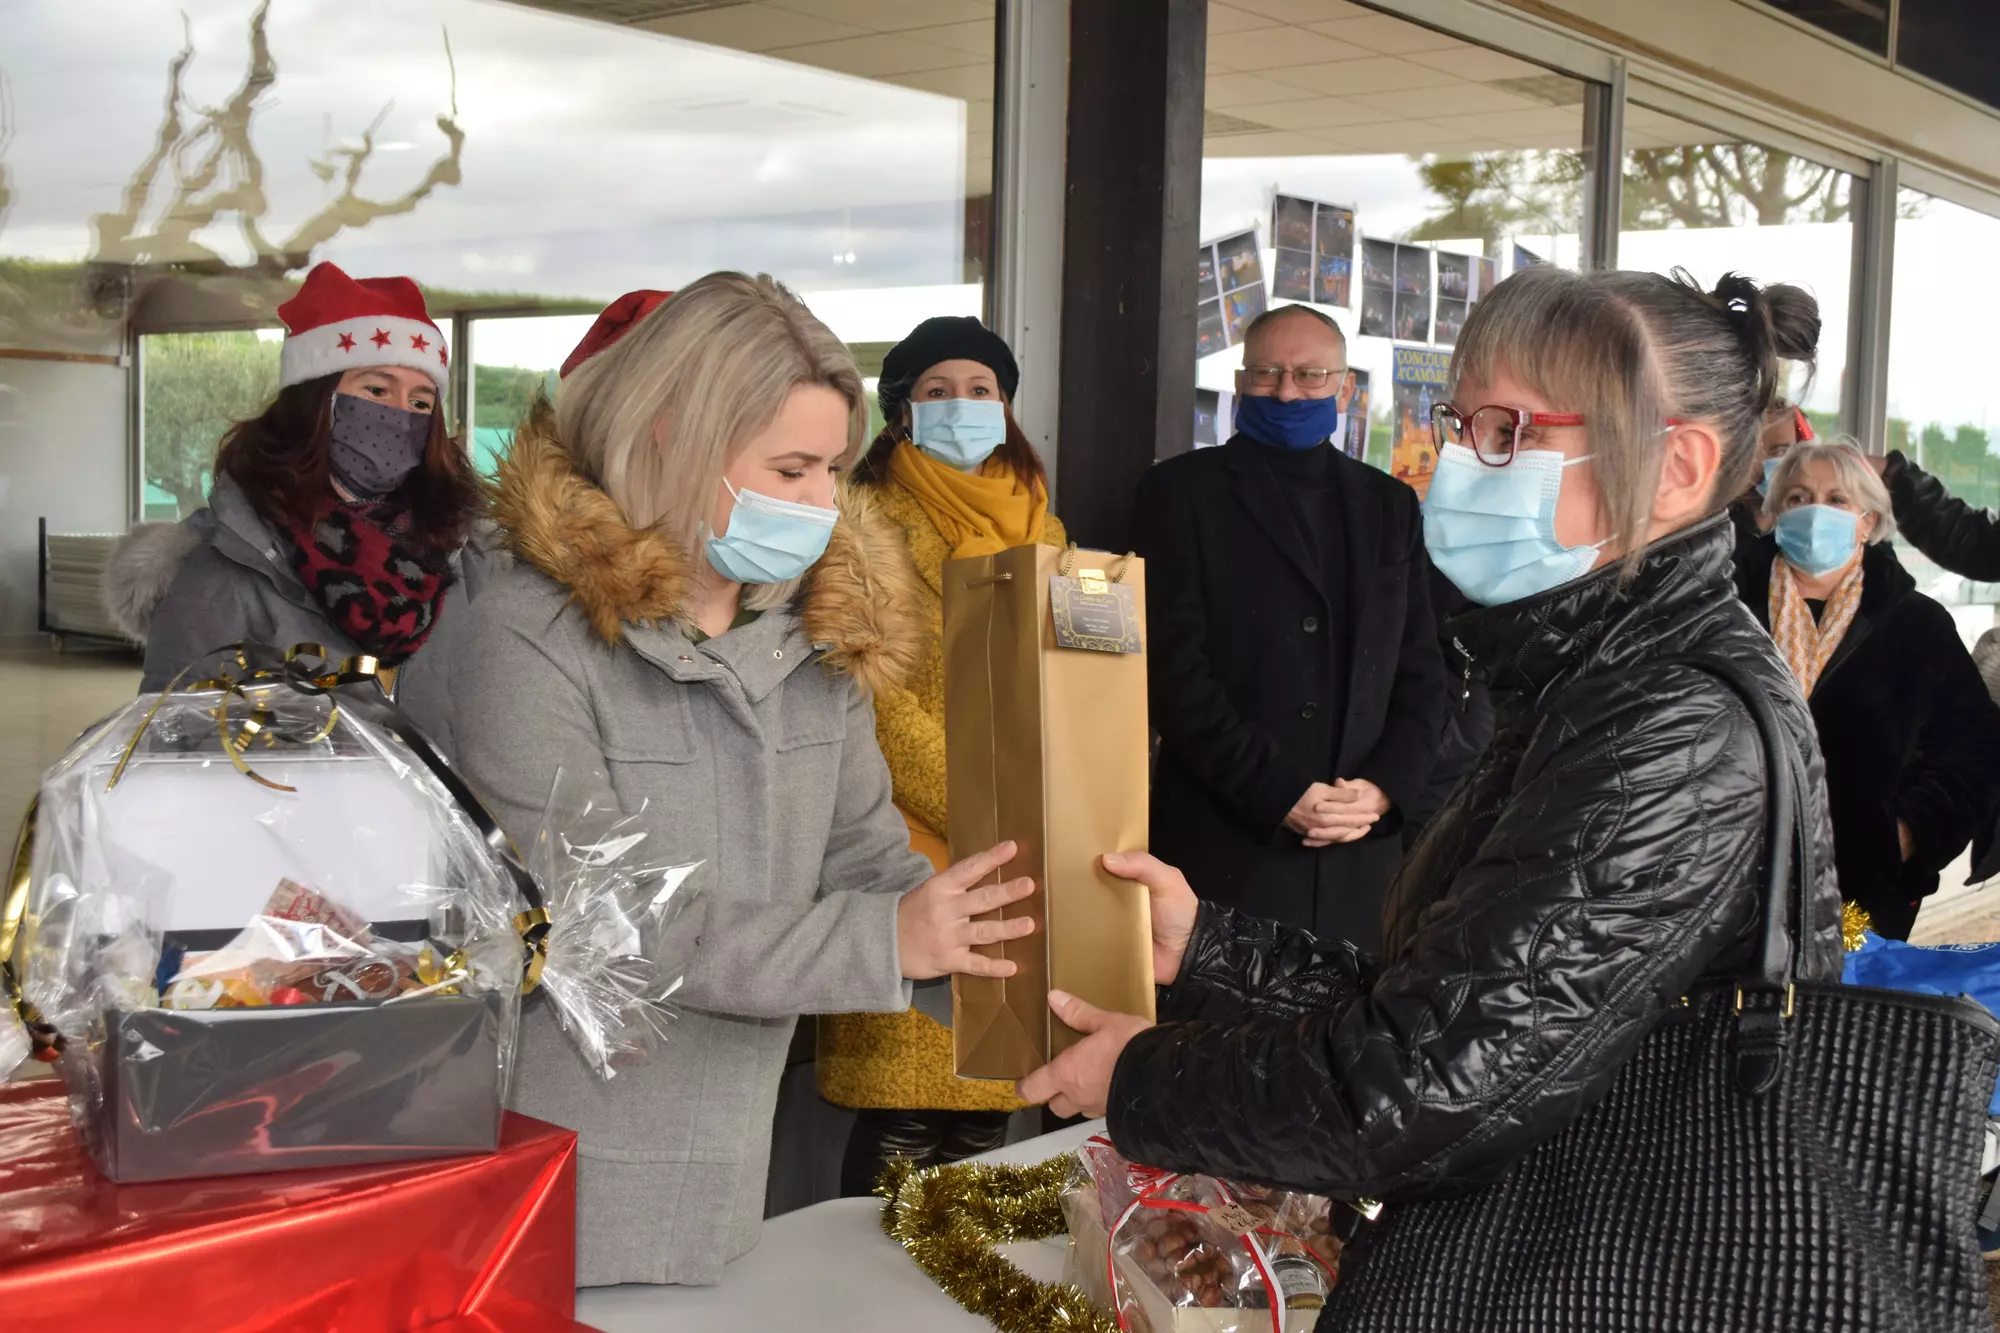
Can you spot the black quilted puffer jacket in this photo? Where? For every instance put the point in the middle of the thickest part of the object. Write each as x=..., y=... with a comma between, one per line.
x=1601, y=856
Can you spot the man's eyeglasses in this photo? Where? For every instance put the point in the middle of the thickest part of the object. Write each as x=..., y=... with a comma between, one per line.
x=1306, y=377
x=1491, y=431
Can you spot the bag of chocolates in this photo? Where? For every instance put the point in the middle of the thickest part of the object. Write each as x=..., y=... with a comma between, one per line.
x=1172, y=1253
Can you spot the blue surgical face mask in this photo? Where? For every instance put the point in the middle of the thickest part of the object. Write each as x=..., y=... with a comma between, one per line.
x=961, y=433
x=770, y=541
x=1770, y=471
x=1492, y=530
x=1818, y=538
x=1299, y=424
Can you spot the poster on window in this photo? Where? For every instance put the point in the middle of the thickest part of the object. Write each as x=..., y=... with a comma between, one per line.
x=1413, y=293
x=1356, y=441
x=1483, y=279
x=1450, y=319
x=1214, y=415
x=1229, y=291
x=1315, y=251
x=1419, y=380
x=1378, y=288
x=1526, y=258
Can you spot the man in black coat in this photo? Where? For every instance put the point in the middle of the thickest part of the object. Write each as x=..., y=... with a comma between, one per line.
x=1297, y=684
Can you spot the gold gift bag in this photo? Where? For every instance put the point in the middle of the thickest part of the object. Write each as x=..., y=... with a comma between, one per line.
x=1046, y=743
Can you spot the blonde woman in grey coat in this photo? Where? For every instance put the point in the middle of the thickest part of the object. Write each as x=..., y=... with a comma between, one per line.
x=693, y=621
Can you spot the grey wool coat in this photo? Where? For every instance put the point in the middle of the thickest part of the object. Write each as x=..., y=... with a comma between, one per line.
x=222, y=576
x=755, y=752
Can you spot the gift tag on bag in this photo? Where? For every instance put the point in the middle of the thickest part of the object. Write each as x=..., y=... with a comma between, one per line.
x=1094, y=612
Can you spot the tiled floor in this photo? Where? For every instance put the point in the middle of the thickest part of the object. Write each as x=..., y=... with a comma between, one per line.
x=46, y=700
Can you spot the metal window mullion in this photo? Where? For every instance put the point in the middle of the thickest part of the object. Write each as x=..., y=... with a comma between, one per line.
x=1024, y=273
x=1604, y=176
x=460, y=387
x=135, y=424
x=1864, y=407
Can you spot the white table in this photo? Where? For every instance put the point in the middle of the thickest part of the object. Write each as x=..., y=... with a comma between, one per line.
x=828, y=1268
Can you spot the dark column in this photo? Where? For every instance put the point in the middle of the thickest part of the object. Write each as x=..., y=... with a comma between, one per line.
x=1131, y=225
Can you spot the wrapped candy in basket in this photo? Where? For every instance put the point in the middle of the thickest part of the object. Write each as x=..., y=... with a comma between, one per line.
x=266, y=927
x=1171, y=1253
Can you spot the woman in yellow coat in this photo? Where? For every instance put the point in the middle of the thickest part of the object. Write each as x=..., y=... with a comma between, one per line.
x=954, y=471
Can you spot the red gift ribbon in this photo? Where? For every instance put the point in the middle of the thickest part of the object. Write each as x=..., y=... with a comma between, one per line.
x=1157, y=1182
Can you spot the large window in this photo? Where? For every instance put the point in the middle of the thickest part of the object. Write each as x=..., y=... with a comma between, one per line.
x=1711, y=203
x=174, y=170
x=1941, y=409
x=1388, y=174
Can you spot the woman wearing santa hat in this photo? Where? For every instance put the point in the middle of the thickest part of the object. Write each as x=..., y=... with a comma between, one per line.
x=337, y=513
x=692, y=629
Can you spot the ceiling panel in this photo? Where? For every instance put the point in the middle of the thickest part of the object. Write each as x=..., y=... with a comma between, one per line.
x=1274, y=144
x=1476, y=64
x=893, y=16
x=968, y=83
x=1539, y=121
x=1226, y=92
x=874, y=57
x=1405, y=136
x=1270, y=48
x=1453, y=99
x=1303, y=11
x=756, y=27
x=1369, y=74
x=975, y=39
x=1390, y=36
x=1318, y=113
x=1228, y=18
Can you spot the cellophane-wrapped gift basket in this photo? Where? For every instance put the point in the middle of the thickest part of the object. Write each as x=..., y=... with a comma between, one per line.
x=1172, y=1253
x=266, y=926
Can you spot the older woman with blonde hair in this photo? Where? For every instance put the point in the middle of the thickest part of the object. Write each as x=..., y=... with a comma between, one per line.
x=691, y=628
x=1912, y=740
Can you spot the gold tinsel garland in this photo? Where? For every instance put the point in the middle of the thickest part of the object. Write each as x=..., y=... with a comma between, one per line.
x=950, y=1218
x=1854, y=923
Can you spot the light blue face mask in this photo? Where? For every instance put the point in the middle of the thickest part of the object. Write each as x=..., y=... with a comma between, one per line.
x=1818, y=538
x=961, y=433
x=1770, y=471
x=770, y=541
x=1492, y=530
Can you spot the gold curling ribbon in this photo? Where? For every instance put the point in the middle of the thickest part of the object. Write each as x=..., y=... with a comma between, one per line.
x=950, y=1218
x=1854, y=923
x=431, y=972
x=13, y=914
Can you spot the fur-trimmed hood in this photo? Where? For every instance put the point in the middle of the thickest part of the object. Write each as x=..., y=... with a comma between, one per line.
x=860, y=597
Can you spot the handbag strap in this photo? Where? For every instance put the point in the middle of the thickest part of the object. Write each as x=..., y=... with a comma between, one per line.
x=1764, y=997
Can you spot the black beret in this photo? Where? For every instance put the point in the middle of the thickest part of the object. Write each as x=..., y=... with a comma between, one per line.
x=943, y=338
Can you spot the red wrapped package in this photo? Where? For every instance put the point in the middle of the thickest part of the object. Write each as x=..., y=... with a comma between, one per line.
x=465, y=1245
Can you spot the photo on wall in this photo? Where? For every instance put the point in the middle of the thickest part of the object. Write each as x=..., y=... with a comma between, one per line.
x=1413, y=317
x=1454, y=277
x=1229, y=286
x=1378, y=288
x=1485, y=278
x=1378, y=312
x=1413, y=270
x=1239, y=308
x=1356, y=443
x=1315, y=251
x=1292, y=276
x=1209, y=427
x=1526, y=258
x=1419, y=378
x=1211, y=334
x=1450, y=320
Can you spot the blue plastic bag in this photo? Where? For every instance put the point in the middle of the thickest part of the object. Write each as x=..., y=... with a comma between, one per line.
x=1934, y=969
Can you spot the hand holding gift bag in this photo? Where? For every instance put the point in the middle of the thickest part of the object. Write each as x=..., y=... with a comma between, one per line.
x=270, y=928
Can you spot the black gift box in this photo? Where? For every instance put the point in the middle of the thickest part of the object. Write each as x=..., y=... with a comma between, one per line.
x=228, y=1091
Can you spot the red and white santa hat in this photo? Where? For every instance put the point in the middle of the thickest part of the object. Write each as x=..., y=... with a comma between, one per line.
x=337, y=323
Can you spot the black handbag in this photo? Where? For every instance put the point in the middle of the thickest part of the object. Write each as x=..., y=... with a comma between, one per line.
x=1777, y=1157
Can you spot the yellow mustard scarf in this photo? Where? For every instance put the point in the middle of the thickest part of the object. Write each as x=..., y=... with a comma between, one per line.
x=976, y=514
x=1805, y=645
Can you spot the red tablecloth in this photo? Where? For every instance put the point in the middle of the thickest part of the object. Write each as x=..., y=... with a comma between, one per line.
x=465, y=1245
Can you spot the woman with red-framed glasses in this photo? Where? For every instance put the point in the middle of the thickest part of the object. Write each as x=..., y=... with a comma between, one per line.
x=1601, y=858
